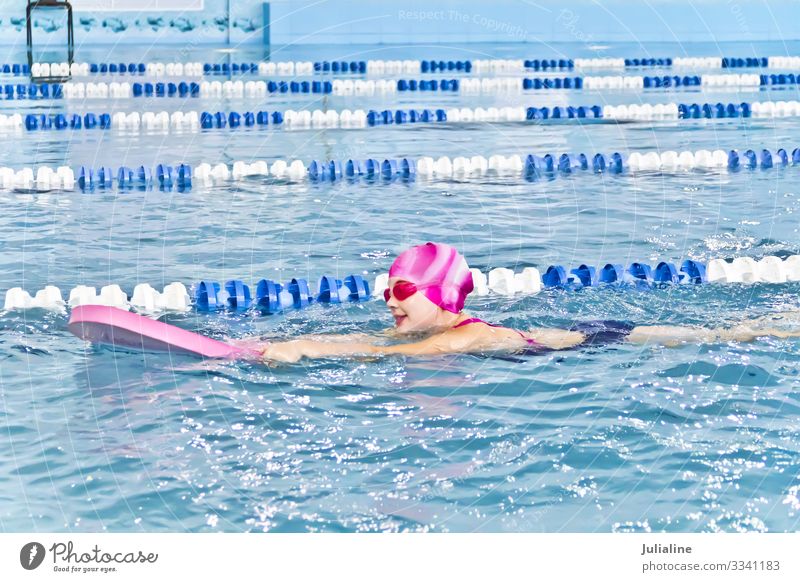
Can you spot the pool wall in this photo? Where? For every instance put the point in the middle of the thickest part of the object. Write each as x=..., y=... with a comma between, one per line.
x=419, y=22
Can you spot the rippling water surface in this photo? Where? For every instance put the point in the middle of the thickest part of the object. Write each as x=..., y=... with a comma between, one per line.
x=621, y=438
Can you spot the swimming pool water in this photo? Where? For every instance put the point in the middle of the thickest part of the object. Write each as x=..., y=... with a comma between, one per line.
x=621, y=438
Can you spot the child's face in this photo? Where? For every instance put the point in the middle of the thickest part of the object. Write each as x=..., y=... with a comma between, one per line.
x=414, y=313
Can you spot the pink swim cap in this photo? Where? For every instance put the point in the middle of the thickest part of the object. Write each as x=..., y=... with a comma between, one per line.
x=439, y=271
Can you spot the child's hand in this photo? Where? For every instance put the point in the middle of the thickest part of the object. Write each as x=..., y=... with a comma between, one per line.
x=289, y=352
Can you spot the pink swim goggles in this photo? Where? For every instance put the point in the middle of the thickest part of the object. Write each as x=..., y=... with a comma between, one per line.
x=402, y=290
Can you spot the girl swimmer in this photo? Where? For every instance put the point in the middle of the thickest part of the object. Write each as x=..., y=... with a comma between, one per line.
x=426, y=291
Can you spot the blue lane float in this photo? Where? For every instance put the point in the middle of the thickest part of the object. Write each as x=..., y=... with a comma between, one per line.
x=356, y=67
x=15, y=69
x=32, y=91
x=441, y=85
x=689, y=272
x=744, y=62
x=538, y=83
x=779, y=79
x=548, y=64
x=648, y=62
x=431, y=66
x=273, y=297
x=672, y=81
x=163, y=177
x=400, y=116
x=182, y=89
x=229, y=68
x=714, y=110
x=122, y=68
x=570, y=112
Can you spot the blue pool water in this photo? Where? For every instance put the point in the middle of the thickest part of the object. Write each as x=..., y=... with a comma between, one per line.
x=624, y=438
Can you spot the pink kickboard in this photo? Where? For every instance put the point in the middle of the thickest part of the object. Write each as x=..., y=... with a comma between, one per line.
x=117, y=327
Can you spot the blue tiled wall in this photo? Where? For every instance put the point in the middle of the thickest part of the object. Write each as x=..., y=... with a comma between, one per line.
x=209, y=26
x=296, y=22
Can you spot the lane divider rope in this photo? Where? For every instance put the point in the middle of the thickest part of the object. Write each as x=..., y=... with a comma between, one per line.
x=304, y=119
x=381, y=67
x=531, y=167
x=272, y=297
x=347, y=87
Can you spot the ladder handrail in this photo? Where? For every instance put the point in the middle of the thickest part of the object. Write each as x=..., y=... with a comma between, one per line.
x=32, y=5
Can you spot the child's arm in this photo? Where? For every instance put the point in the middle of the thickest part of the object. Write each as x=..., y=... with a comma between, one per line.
x=259, y=344
x=676, y=335
x=337, y=337
x=451, y=341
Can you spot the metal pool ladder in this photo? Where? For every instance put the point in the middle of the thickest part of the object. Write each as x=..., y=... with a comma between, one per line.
x=50, y=4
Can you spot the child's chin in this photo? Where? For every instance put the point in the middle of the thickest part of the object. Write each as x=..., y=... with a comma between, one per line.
x=404, y=325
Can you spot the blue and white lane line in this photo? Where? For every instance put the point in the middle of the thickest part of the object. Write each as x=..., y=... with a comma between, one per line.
x=530, y=167
x=390, y=67
x=360, y=119
x=269, y=296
